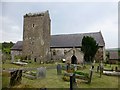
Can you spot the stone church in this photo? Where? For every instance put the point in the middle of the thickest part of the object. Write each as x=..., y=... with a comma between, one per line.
x=39, y=46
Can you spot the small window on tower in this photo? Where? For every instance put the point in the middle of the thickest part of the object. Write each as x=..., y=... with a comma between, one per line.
x=33, y=25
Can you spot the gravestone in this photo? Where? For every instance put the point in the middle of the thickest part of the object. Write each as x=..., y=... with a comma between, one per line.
x=16, y=77
x=68, y=67
x=71, y=81
x=18, y=60
x=112, y=69
x=74, y=80
x=64, y=67
x=75, y=67
x=101, y=69
x=41, y=72
x=98, y=68
x=116, y=69
x=91, y=72
x=12, y=59
x=59, y=69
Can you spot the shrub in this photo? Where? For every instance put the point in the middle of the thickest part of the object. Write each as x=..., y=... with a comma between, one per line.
x=81, y=73
x=70, y=71
x=66, y=78
x=18, y=57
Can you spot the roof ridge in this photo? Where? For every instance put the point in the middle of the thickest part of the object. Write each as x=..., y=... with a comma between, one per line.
x=75, y=33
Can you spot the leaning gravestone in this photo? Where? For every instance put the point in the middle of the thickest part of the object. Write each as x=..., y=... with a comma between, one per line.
x=98, y=68
x=16, y=77
x=101, y=69
x=41, y=72
x=59, y=69
x=91, y=73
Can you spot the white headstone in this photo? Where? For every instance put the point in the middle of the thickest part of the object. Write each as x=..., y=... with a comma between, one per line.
x=75, y=67
x=12, y=58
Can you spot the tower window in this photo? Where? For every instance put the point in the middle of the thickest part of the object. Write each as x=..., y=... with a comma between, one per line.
x=33, y=25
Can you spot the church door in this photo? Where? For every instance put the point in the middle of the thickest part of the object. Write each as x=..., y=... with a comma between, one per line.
x=34, y=59
x=73, y=60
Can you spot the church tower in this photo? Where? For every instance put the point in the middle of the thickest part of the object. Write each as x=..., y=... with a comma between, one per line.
x=36, y=36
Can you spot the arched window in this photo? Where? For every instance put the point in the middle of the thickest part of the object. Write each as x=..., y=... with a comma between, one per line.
x=33, y=25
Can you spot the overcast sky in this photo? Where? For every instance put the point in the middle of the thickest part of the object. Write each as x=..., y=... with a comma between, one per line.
x=69, y=17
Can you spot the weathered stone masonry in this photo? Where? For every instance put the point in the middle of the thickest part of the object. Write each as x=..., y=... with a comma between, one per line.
x=36, y=36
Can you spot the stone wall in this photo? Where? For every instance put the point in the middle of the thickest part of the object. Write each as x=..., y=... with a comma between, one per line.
x=100, y=55
x=36, y=36
x=15, y=53
x=59, y=53
x=66, y=53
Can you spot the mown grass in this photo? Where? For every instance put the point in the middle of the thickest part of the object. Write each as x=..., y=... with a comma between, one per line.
x=53, y=80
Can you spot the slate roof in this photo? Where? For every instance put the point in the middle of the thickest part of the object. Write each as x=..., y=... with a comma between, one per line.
x=113, y=55
x=74, y=40
x=68, y=40
x=17, y=46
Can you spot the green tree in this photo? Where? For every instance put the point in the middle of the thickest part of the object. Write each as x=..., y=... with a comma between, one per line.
x=6, y=46
x=89, y=48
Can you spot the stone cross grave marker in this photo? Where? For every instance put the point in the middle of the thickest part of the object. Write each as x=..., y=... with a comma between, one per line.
x=59, y=69
x=41, y=72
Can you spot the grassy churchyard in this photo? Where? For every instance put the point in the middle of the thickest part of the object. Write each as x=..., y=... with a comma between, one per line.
x=52, y=80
